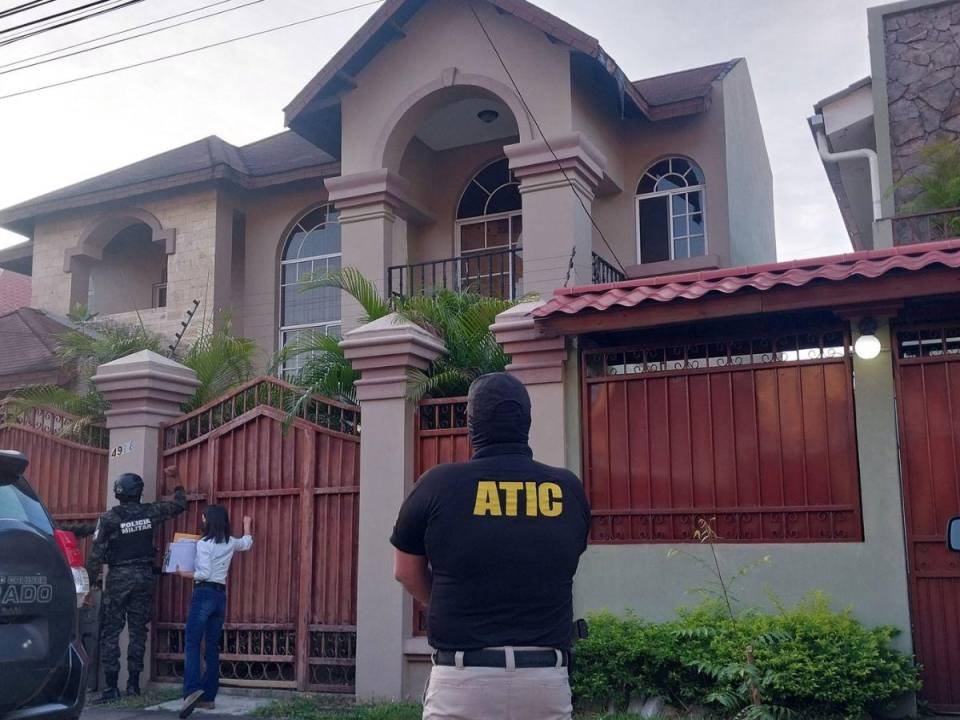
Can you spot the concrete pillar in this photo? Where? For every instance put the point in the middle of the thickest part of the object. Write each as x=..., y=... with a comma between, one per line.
x=384, y=352
x=558, y=183
x=375, y=208
x=541, y=364
x=144, y=390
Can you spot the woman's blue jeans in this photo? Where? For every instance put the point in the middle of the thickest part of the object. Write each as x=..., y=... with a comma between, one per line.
x=204, y=622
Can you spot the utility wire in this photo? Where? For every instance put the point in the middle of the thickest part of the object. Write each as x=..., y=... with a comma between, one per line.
x=132, y=37
x=24, y=7
x=151, y=61
x=113, y=34
x=547, y=142
x=62, y=13
x=65, y=23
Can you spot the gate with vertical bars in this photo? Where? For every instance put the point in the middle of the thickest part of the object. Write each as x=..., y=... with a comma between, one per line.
x=291, y=600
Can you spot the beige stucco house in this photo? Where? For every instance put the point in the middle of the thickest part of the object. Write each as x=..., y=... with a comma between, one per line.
x=504, y=151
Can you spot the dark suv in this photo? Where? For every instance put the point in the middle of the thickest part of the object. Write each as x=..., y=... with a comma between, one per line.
x=42, y=664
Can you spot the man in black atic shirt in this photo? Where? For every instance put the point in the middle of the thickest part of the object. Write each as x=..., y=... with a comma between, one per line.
x=492, y=545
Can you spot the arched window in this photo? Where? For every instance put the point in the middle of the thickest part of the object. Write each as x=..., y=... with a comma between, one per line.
x=313, y=246
x=489, y=227
x=670, y=214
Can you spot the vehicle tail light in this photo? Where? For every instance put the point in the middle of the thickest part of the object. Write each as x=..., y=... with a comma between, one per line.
x=71, y=551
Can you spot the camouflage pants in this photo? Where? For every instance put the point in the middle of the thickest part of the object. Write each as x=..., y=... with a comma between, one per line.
x=127, y=599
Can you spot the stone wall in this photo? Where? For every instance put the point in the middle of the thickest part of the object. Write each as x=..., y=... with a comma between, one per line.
x=922, y=49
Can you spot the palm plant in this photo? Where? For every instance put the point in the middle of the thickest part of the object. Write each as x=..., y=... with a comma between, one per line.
x=220, y=359
x=461, y=320
x=937, y=183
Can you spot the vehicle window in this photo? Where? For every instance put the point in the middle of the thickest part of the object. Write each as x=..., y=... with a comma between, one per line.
x=17, y=506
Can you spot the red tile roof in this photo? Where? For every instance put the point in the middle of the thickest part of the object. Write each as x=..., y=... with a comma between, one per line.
x=759, y=278
x=14, y=291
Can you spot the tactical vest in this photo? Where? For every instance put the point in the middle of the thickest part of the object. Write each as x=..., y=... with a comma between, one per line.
x=134, y=541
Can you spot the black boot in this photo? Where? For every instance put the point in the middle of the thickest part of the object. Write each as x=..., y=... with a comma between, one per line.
x=133, y=685
x=110, y=691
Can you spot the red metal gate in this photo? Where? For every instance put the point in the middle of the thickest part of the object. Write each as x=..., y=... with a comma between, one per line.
x=441, y=437
x=291, y=604
x=69, y=475
x=928, y=400
x=757, y=434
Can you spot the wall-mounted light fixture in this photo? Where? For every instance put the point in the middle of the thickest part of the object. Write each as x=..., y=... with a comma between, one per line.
x=867, y=345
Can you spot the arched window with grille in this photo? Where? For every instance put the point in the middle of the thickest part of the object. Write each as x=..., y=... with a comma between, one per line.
x=311, y=246
x=670, y=211
x=489, y=231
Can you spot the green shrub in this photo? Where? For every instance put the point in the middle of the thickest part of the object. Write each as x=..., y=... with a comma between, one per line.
x=809, y=658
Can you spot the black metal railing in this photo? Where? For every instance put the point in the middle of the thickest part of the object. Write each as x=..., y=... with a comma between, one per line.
x=926, y=226
x=604, y=272
x=493, y=273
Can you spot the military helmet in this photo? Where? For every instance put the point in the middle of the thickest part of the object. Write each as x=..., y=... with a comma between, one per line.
x=128, y=486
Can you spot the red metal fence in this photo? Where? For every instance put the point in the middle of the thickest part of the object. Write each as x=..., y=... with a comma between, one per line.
x=291, y=603
x=441, y=437
x=757, y=433
x=928, y=397
x=69, y=473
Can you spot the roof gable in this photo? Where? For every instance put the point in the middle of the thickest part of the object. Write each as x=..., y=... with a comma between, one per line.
x=315, y=111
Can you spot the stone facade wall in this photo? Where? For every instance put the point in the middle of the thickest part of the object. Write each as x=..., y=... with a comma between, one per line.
x=190, y=270
x=922, y=49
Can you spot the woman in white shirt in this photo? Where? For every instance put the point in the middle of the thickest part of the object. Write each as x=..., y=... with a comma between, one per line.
x=208, y=605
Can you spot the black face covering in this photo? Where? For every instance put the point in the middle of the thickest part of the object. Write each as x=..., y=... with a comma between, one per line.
x=498, y=411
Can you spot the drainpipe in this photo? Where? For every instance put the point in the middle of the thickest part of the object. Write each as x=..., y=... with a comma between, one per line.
x=816, y=123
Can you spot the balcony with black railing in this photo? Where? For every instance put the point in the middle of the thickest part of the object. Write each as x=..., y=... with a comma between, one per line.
x=492, y=273
x=604, y=272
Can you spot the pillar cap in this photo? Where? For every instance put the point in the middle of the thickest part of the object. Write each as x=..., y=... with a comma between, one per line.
x=144, y=389
x=536, y=161
x=385, y=351
x=534, y=359
x=357, y=193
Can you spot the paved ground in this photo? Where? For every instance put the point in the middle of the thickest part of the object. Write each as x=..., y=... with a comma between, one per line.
x=228, y=707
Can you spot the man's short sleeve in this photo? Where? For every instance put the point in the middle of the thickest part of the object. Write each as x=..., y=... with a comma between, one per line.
x=411, y=527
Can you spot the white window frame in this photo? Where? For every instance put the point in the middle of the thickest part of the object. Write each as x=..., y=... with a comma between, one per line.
x=459, y=224
x=325, y=326
x=702, y=188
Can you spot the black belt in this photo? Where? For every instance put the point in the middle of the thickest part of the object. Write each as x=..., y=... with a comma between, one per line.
x=207, y=583
x=498, y=658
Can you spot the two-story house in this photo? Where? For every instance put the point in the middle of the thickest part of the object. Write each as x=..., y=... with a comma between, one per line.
x=487, y=145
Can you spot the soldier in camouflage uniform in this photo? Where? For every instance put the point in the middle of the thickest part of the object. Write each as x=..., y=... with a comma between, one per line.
x=124, y=540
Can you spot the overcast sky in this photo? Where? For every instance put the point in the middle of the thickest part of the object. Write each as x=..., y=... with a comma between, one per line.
x=798, y=51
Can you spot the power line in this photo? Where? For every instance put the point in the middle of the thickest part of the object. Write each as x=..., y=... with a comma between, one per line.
x=547, y=142
x=113, y=34
x=62, y=13
x=16, y=9
x=131, y=37
x=151, y=61
x=65, y=23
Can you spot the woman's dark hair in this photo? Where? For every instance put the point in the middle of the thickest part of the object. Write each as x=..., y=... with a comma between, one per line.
x=217, y=525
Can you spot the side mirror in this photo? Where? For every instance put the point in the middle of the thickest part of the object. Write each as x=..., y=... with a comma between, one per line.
x=12, y=465
x=953, y=534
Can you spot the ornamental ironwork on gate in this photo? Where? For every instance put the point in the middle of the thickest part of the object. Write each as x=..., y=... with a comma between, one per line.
x=291, y=602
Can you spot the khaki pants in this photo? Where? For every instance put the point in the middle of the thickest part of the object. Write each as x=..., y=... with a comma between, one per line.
x=478, y=693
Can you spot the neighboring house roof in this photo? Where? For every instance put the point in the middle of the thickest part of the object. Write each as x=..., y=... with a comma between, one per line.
x=33, y=336
x=667, y=289
x=318, y=99
x=684, y=92
x=279, y=158
x=840, y=94
x=14, y=292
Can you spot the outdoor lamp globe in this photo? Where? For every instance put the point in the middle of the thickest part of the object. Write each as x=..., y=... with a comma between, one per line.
x=867, y=346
